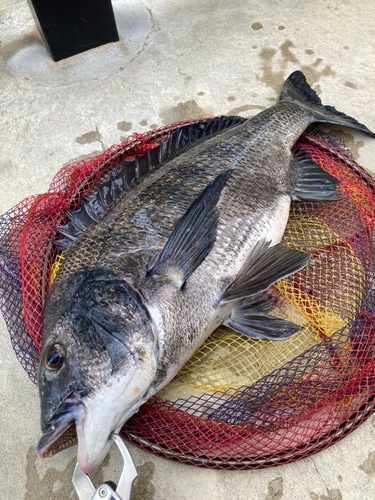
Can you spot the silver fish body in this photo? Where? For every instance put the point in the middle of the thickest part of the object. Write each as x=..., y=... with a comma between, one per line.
x=141, y=289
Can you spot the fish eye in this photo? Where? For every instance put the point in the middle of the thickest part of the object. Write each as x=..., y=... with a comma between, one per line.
x=55, y=357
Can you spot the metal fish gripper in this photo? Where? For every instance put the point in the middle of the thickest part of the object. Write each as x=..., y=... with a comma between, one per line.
x=86, y=490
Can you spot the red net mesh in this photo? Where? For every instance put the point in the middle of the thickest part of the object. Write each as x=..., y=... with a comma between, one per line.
x=238, y=403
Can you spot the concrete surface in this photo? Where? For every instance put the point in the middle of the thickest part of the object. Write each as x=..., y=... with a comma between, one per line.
x=176, y=60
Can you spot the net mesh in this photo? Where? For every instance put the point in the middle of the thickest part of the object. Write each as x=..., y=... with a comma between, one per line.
x=237, y=403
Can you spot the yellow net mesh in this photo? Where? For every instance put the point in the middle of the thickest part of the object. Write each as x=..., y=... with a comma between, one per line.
x=56, y=264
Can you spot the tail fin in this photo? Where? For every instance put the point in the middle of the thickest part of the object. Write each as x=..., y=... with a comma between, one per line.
x=296, y=88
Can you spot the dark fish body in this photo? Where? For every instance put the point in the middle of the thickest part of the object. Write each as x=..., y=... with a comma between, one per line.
x=193, y=244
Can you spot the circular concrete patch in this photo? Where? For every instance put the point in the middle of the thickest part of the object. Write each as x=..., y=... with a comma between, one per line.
x=23, y=49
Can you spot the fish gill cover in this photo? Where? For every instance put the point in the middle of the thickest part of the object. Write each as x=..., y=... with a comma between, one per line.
x=238, y=403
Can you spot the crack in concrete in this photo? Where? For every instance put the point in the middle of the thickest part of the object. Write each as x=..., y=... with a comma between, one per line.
x=99, y=139
x=5, y=22
x=322, y=479
x=146, y=42
x=317, y=471
x=148, y=39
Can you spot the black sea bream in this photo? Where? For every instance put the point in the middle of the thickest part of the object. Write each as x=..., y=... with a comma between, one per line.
x=176, y=243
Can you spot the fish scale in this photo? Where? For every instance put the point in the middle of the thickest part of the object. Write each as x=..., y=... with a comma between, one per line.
x=192, y=244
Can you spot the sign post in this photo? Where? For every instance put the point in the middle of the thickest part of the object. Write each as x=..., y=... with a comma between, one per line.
x=69, y=27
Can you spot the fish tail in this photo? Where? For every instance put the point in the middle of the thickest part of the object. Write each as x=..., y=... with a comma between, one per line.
x=296, y=88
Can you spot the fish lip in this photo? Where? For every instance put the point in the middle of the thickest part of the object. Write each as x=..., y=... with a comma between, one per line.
x=69, y=413
x=50, y=407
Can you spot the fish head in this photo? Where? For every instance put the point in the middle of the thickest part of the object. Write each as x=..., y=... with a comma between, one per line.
x=98, y=362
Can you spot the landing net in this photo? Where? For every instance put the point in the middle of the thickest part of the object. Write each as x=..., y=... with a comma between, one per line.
x=238, y=403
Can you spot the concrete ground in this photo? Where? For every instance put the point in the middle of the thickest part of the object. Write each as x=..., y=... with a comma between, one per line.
x=176, y=60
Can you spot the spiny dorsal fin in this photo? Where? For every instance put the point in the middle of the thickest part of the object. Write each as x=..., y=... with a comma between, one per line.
x=121, y=178
x=194, y=236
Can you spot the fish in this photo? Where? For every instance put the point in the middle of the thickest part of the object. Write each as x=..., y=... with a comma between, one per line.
x=167, y=247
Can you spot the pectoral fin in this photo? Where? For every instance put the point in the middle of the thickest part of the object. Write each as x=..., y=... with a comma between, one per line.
x=194, y=235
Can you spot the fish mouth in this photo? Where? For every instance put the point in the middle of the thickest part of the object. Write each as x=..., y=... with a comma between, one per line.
x=60, y=432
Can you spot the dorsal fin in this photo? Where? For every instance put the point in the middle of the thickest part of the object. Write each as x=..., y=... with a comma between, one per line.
x=121, y=178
